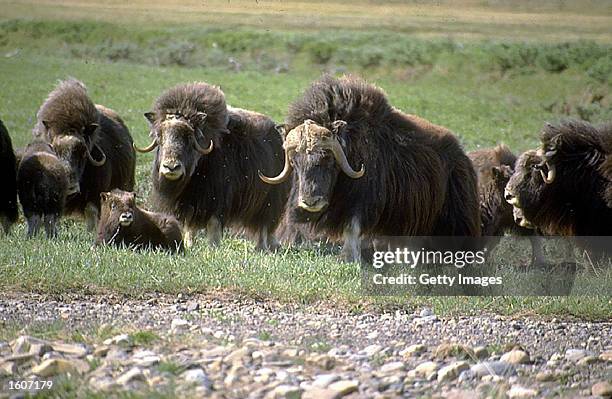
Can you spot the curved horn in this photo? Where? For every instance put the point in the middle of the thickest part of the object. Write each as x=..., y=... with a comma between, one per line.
x=93, y=161
x=148, y=148
x=550, y=176
x=340, y=156
x=203, y=151
x=284, y=174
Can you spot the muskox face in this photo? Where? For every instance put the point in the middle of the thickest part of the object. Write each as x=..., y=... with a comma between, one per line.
x=118, y=208
x=317, y=155
x=526, y=184
x=77, y=148
x=179, y=145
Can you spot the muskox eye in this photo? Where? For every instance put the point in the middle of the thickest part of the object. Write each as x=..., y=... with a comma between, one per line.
x=113, y=206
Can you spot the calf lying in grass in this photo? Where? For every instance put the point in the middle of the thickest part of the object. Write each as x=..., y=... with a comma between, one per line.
x=124, y=223
x=42, y=185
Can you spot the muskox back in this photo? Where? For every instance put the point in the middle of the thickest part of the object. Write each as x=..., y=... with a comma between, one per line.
x=417, y=180
x=42, y=182
x=93, y=139
x=8, y=194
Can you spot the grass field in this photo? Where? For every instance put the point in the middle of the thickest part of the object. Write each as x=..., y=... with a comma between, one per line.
x=491, y=73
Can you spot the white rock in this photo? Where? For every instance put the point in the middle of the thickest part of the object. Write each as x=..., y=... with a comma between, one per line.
x=493, y=368
x=452, y=371
x=393, y=367
x=133, y=374
x=519, y=392
x=324, y=380
x=575, y=355
x=371, y=350
x=179, y=325
x=197, y=376
x=118, y=340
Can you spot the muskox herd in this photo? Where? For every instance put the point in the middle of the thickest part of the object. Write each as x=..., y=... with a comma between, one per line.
x=346, y=164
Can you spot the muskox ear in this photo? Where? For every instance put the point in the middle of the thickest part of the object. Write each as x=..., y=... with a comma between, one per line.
x=90, y=129
x=338, y=126
x=46, y=124
x=104, y=197
x=281, y=128
x=150, y=116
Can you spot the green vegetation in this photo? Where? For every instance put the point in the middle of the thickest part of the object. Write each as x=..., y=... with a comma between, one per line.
x=489, y=86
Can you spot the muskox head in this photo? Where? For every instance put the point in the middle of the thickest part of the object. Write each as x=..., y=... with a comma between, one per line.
x=117, y=208
x=180, y=141
x=529, y=184
x=77, y=147
x=317, y=154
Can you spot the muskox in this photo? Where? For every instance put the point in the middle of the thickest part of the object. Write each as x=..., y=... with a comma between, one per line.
x=363, y=168
x=206, y=163
x=494, y=167
x=43, y=185
x=561, y=188
x=93, y=140
x=122, y=222
x=8, y=194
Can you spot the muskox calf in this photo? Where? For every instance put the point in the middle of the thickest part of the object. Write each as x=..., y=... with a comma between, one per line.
x=8, y=193
x=561, y=188
x=206, y=163
x=363, y=168
x=122, y=222
x=93, y=140
x=43, y=185
x=494, y=167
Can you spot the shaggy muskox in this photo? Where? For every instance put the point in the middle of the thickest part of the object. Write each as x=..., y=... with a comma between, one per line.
x=8, y=194
x=93, y=140
x=494, y=167
x=561, y=188
x=364, y=168
x=42, y=184
x=206, y=163
x=122, y=222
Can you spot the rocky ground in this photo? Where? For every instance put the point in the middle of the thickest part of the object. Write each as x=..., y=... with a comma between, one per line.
x=235, y=347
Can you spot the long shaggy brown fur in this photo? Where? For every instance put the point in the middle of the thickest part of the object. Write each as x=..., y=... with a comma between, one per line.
x=68, y=111
x=147, y=230
x=42, y=182
x=575, y=202
x=494, y=166
x=8, y=194
x=225, y=183
x=418, y=180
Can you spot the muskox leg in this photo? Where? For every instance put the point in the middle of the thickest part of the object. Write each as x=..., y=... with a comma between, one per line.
x=351, y=252
x=6, y=224
x=91, y=216
x=537, y=251
x=189, y=234
x=214, y=230
x=266, y=241
x=50, y=223
x=33, y=225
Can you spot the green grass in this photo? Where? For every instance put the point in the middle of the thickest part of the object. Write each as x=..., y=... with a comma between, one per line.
x=487, y=88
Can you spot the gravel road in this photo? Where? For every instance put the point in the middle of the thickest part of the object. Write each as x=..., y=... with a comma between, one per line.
x=222, y=345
